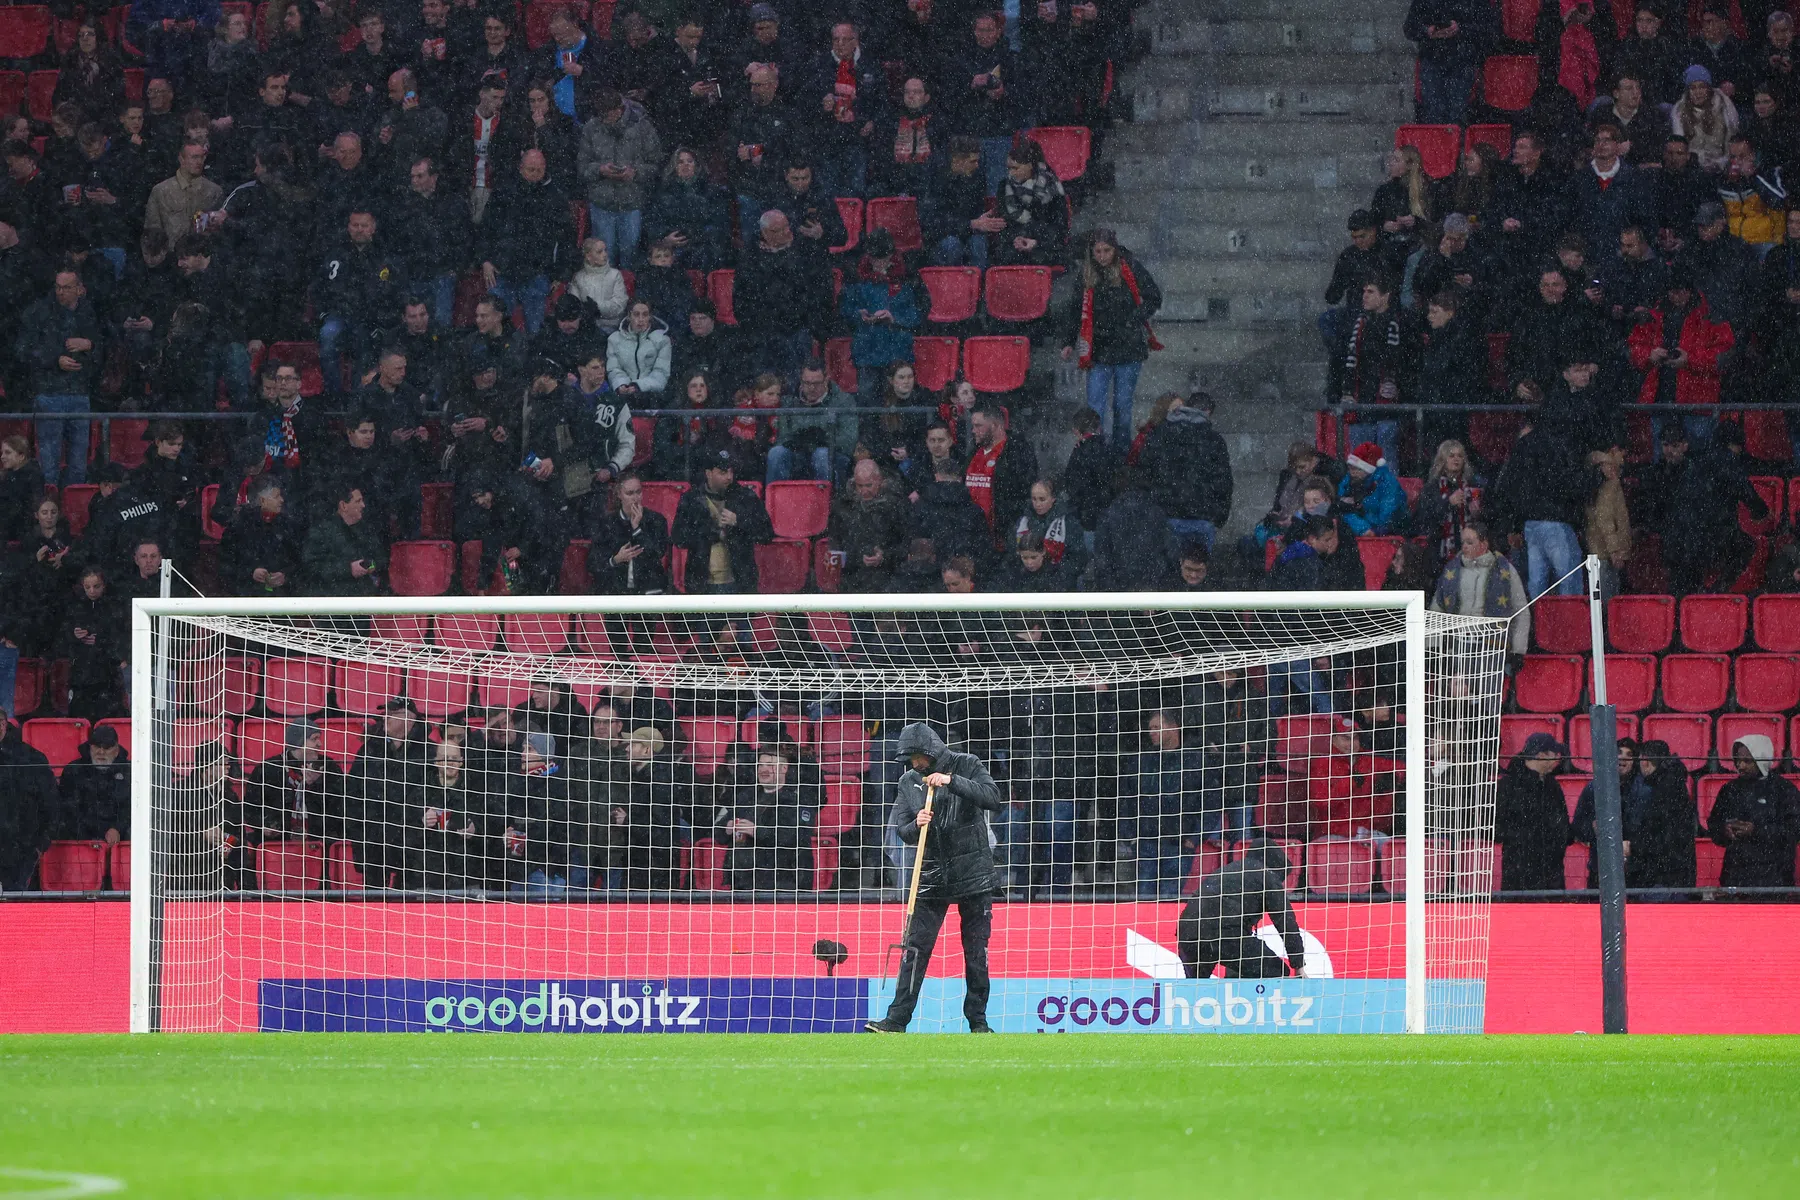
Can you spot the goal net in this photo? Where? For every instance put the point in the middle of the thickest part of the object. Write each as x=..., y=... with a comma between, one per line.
x=1208, y=813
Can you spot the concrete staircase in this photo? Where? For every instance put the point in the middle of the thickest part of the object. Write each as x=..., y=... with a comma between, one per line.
x=1257, y=127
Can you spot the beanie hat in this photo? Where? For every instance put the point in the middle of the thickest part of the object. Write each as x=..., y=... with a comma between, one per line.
x=1366, y=457
x=299, y=731
x=543, y=743
x=1696, y=74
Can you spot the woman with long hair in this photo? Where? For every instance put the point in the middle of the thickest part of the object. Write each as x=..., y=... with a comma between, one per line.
x=893, y=437
x=1108, y=328
x=691, y=213
x=1159, y=412
x=1407, y=199
x=1706, y=117
x=1032, y=204
x=1449, y=499
x=1473, y=188
x=92, y=74
x=548, y=129
x=677, y=438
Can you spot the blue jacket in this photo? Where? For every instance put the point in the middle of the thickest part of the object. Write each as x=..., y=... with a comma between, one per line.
x=1382, y=510
x=881, y=343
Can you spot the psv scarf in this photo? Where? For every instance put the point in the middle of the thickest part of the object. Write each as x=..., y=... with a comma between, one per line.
x=1087, y=316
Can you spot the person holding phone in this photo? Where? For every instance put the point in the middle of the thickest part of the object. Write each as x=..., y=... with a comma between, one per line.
x=619, y=151
x=630, y=545
x=343, y=555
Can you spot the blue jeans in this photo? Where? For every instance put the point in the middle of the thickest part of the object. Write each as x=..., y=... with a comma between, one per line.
x=229, y=361
x=1331, y=332
x=1311, y=688
x=116, y=256
x=1161, y=866
x=530, y=296
x=1038, y=833
x=619, y=230
x=9, y=679
x=781, y=464
x=338, y=334
x=1444, y=91
x=1387, y=436
x=843, y=171
x=1122, y=379
x=968, y=250
x=993, y=161
x=1553, y=553
x=1184, y=528
x=53, y=436
x=443, y=299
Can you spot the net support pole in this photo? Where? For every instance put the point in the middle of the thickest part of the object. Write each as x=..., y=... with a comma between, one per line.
x=1415, y=814
x=142, y=673
x=1609, y=836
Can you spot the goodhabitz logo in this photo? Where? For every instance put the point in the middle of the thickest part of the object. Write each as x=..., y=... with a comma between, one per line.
x=1165, y=1006
x=1249, y=1004
x=811, y=1005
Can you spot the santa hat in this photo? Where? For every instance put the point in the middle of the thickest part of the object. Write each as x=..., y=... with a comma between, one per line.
x=1366, y=457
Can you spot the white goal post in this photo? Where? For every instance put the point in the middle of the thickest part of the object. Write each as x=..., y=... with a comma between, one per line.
x=1380, y=774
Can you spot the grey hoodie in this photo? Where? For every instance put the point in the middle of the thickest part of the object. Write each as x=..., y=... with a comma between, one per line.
x=631, y=143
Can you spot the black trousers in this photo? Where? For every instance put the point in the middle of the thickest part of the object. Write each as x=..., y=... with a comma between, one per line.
x=1244, y=958
x=977, y=913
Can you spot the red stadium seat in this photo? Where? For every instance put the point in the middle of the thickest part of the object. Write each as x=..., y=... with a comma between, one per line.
x=243, y=685
x=832, y=631
x=1206, y=861
x=719, y=286
x=1548, y=683
x=120, y=726
x=1477, y=867
x=342, y=738
x=134, y=83
x=1689, y=736
x=1499, y=137
x=664, y=498
x=341, y=873
x=828, y=574
x=1340, y=866
x=40, y=90
x=955, y=292
x=850, y=211
x=841, y=744
x=437, y=514
x=602, y=12
x=127, y=445
x=1630, y=681
x=305, y=356
x=1572, y=787
x=28, y=690
x=1709, y=862
x=258, y=739
x=76, y=500
x=188, y=734
x=782, y=566
x=209, y=500
x=934, y=361
x=843, y=806
x=1508, y=81
x=58, y=738
x=996, y=364
x=1714, y=624
x=1733, y=726
x=24, y=30
x=1695, y=683
x=1515, y=728
x=825, y=862
x=537, y=19
x=1438, y=146
x=466, y=631
x=1767, y=682
x=1708, y=792
x=899, y=215
x=537, y=633
x=1561, y=625
x=402, y=629
x=1581, y=738
x=677, y=566
x=708, y=859
x=290, y=866
x=1016, y=293
x=437, y=694
x=294, y=687
x=1575, y=867
x=1777, y=622
x=72, y=867
x=12, y=88
x=1299, y=739
x=1377, y=553
x=1640, y=624
x=840, y=368
x=501, y=691
x=707, y=740
x=118, y=863
x=798, y=508
x=1773, y=491
x=1440, y=862
x=1066, y=149
x=572, y=579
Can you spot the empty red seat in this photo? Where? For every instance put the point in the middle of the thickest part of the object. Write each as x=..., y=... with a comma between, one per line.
x=1562, y=625
x=1515, y=728
x=1773, y=491
x=1299, y=739
x=1438, y=146
x=1695, y=683
x=708, y=858
x=260, y=739
x=1575, y=867
x=72, y=867
x=572, y=579
x=290, y=866
x=1709, y=862
x=996, y=364
x=421, y=568
x=77, y=498
x=1572, y=787
x=1508, y=81
x=243, y=686
x=955, y=292
x=1689, y=737
x=707, y=739
x=409, y=628
x=437, y=694
x=12, y=89
x=187, y=734
x=1640, y=624
x=1499, y=137
x=537, y=633
x=828, y=574
x=294, y=687
x=1477, y=867
x=841, y=744
x=58, y=738
x=840, y=368
x=798, y=508
x=1377, y=554
x=1630, y=681
x=40, y=93
x=1581, y=738
x=501, y=691
x=664, y=498
x=1709, y=787
x=1440, y=861
x=364, y=688
x=719, y=285
x=1066, y=148
x=832, y=631
x=466, y=631
x=127, y=445
x=1732, y=726
x=341, y=871
x=843, y=806
x=899, y=215
x=850, y=212
x=437, y=514
x=1548, y=683
x=342, y=738
x=118, y=862
x=1777, y=622
x=28, y=690
x=1767, y=682
x=782, y=566
x=24, y=30
x=1714, y=624
x=1340, y=866
x=1017, y=293
x=826, y=860
x=934, y=361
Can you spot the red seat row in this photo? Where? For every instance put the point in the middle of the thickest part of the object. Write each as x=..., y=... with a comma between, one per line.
x=1340, y=866
x=85, y=866
x=1693, y=738
x=60, y=739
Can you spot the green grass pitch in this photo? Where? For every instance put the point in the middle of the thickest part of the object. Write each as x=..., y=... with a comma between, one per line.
x=915, y=1116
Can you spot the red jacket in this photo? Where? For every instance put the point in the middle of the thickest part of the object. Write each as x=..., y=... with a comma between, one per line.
x=1348, y=794
x=1704, y=340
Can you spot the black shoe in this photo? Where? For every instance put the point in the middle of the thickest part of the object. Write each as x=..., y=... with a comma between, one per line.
x=980, y=1027
x=883, y=1026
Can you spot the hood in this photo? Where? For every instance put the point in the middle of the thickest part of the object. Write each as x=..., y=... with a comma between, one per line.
x=920, y=738
x=657, y=325
x=1267, y=858
x=1187, y=416
x=1760, y=748
x=1483, y=562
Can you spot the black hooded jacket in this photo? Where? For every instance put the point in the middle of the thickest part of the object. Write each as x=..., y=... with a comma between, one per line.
x=959, y=854
x=1231, y=904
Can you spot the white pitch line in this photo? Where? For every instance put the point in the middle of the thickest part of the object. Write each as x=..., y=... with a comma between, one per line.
x=72, y=1184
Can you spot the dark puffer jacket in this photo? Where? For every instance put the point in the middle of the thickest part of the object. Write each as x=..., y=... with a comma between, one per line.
x=959, y=854
x=1231, y=904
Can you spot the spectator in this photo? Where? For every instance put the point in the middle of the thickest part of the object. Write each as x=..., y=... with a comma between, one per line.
x=1722, y=55
x=519, y=555
x=1720, y=265
x=983, y=83
x=21, y=485
x=29, y=814
x=1701, y=536
x=638, y=355
x=92, y=74
x=904, y=156
x=1304, y=463
x=691, y=214
x=598, y=283
x=343, y=556
x=1087, y=479
x=94, y=638
x=525, y=241
x=434, y=225
x=260, y=552
x=1030, y=569
x=868, y=530
x=1540, y=494
x=619, y=152
x=814, y=429
x=1634, y=796
x=1651, y=57
x=1550, y=332
x=812, y=213
x=1756, y=818
x=96, y=791
x=1134, y=549
x=358, y=293
x=1681, y=186
x=1678, y=347
x=630, y=545
x=1609, y=196
x=953, y=213
x=1659, y=833
x=845, y=93
x=1000, y=474
x=895, y=438
x=946, y=515
x=573, y=61
x=62, y=346
x=720, y=525
x=667, y=287
x=1479, y=582
x=1755, y=197
x=1108, y=328
x=766, y=136
x=1530, y=202
x=1379, y=360
x=1032, y=204
x=1454, y=37
x=1634, y=281
x=1448, y=501
x=411, y=129
x=1453, y=366
x=173, y=35
x=1188, y=469
x=1160, y=807
x=781, y=294
x=1531, y=819
x=1608, y=521
x=1578, y=58
x=1363, y=257
x=1406, y=201
x=1705, y=117
x=1346, y=796
x=768, y=823
x=1049, y=519
x=1300, y=567
x=1641, y=126
x=883, y=305
x=644, y=809
x=1371, y=497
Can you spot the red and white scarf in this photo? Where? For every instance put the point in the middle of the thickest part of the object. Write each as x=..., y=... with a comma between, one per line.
x=1087, y=316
